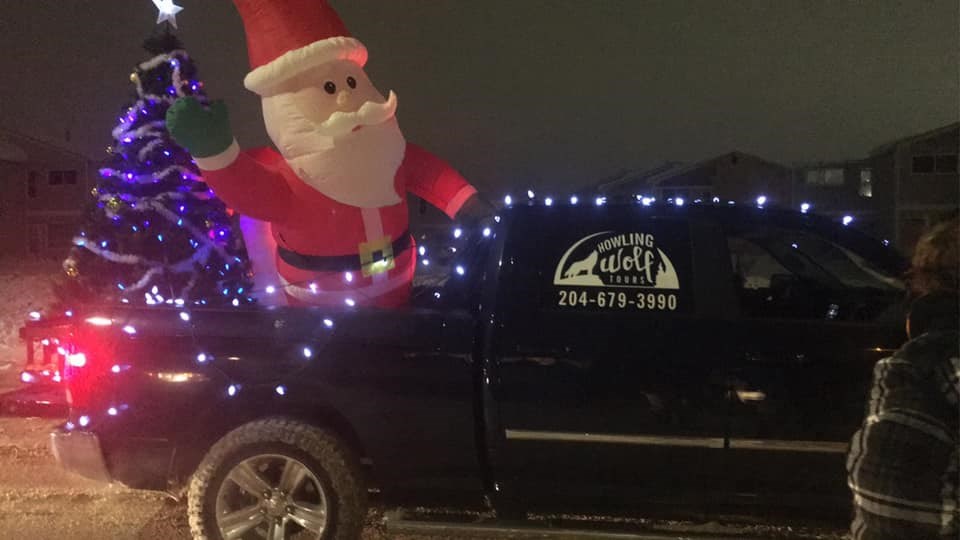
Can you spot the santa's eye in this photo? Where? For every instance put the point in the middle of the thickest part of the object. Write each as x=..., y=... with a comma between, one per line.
x=330, y=87
x=351, y=82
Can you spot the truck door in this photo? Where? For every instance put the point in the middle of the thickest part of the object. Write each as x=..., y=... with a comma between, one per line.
x=815, y=318
x=605, y=382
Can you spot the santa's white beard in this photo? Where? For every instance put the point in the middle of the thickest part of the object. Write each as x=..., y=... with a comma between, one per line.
x=356, y=168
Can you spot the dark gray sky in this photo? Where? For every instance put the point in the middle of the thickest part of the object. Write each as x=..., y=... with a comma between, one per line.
x=550, y=93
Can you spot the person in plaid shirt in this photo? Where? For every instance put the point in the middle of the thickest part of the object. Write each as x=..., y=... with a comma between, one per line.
x=903, y=462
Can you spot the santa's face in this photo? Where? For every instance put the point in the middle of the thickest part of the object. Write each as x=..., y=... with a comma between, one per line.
x=338, y=133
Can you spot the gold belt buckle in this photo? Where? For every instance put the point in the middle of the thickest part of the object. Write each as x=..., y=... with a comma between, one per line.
x=376, y=257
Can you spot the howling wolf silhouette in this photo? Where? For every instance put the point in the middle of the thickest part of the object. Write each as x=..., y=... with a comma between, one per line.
x=582, y=267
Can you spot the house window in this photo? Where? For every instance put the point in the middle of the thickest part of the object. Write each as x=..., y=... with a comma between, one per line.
x=924, y=164
x=866, y=183
x=56, y=178
x=946, y=163
x=825, y=177
x=32, y=178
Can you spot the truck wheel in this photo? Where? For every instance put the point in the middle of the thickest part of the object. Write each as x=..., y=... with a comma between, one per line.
x=277, y=479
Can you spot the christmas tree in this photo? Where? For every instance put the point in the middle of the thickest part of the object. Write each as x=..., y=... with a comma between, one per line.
x=154, y=232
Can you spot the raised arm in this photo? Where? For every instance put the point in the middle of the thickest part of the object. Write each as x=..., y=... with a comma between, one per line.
x=435, y=181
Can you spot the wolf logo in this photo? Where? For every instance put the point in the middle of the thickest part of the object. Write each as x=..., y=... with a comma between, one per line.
x=585, y=266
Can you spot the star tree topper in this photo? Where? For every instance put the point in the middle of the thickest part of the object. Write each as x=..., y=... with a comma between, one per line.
x=168, y=11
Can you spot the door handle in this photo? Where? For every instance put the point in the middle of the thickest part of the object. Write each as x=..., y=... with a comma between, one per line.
x=750, y=396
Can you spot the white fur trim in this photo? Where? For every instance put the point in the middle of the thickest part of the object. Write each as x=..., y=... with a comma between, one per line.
x=295, y=62
x=220, y=161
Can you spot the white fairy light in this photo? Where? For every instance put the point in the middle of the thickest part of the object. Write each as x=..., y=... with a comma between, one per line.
x=487, y=232
x=307, y=352
x=847, y=220
x=270, y=289
x=574, y=199
x=460, y=270
x=805, y=207
x=280, y=390
x=350, y=302
x=761, y=200
x=458, y=232
x=348, y=276
x=530, y=194
x=328, y=323
x=184, y=316
x=548, y=201
x=508, y=200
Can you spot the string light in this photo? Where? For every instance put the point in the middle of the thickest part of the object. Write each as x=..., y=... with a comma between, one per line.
x=847, y=220
x=761, y=200
x=574, y=199
x=548, y=201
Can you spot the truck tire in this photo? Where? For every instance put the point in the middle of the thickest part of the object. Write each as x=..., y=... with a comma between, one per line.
x=327, y=499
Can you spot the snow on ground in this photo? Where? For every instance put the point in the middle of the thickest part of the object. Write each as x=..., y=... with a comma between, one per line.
x=41, y=501
x=25, y=285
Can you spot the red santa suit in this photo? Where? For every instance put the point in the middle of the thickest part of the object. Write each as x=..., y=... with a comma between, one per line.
x=329, y=252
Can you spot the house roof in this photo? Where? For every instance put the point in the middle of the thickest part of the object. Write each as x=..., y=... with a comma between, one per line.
x=669, y=170
x=890, y=146
x=11, y=152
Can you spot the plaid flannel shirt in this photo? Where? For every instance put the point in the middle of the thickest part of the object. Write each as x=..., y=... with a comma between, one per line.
x=902, y=464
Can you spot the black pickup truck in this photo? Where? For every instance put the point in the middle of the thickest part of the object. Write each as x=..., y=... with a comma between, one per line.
x=621, y=359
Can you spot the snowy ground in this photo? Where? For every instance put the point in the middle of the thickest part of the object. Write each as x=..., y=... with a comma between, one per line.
x=40, y=501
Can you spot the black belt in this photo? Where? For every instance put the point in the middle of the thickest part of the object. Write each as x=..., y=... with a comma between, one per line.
x=339, y=263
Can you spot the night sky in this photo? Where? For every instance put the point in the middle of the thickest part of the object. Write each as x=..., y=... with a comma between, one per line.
x=550, y=94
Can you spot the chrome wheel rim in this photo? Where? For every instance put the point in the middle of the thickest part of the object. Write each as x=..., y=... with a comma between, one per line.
x=271, y=497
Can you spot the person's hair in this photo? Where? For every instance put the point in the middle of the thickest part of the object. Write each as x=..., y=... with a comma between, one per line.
x=936, y=260
x=933, y=280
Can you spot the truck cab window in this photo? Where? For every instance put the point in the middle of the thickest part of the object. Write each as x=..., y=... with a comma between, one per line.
x=794, y=274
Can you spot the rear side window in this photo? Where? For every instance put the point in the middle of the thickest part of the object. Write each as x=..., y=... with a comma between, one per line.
x=794, y=274
x=619, y=262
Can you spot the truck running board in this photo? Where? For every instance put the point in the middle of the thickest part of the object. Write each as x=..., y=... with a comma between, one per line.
x=401, y=522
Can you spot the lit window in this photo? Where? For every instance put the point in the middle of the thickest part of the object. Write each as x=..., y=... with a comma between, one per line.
x=825, y=177
x=866, y=183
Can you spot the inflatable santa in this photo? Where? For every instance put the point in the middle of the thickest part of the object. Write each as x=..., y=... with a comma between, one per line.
x=335, y=195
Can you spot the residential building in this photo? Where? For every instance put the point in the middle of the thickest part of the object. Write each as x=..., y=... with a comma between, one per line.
x=842, y=188
x=42, y=192
x=915, y=181
x=734, y=176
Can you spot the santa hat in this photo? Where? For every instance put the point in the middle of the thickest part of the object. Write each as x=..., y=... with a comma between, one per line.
x=287, y=37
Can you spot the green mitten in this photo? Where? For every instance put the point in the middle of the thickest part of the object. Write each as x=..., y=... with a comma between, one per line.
x=204, y=132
